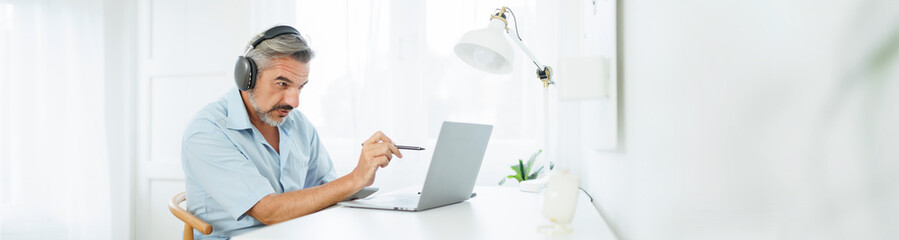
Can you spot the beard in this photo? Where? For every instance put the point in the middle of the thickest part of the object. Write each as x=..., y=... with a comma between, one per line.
x=266, y=116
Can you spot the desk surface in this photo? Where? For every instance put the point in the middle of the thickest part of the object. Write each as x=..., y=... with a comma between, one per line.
x=496, y=213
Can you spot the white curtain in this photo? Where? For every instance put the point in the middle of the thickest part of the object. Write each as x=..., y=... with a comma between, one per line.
x=54, y=179
x=389, y=65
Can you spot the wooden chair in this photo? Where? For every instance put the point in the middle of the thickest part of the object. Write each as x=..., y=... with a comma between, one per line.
x=191, y=222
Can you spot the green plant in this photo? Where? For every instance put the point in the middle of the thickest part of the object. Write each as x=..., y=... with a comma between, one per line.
x=523, y=170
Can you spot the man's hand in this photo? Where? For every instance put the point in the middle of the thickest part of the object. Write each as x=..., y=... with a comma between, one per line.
x=377, y=151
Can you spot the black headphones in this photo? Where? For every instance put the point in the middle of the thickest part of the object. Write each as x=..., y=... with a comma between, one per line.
x=245, y=69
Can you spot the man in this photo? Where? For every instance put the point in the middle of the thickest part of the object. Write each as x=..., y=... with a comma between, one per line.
x=250, y=161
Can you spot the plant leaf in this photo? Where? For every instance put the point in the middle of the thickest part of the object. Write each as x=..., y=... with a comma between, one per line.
x=552, y=165
x=516, y=169
x=534, y=175
x=502, y=181
x=523, y=173
x=516, y=177
x=531, y=160
x=534, y=157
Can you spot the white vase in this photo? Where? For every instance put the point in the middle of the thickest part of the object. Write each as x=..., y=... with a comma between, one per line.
x=559, y=202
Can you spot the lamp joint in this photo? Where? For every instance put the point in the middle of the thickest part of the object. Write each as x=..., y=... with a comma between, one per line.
x=545, y=75
x=501, y=15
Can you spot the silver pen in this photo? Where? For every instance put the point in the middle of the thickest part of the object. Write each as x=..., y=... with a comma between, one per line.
x=406, y=147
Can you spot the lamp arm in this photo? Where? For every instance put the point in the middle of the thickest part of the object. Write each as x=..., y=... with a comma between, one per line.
x=543, y=72
x=524, y=48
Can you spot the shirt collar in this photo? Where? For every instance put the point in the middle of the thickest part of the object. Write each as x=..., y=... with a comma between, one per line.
x=237, y=113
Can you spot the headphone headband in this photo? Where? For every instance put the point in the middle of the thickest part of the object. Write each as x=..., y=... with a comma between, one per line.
x=275, y=32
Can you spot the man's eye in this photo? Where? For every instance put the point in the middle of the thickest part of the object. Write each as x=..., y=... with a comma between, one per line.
x=283, y=84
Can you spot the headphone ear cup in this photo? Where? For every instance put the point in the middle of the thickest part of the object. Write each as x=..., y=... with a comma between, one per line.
x=253, y=74
x=244, y=73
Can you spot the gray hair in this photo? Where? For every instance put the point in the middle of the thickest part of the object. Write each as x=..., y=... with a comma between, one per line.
x=278, y=47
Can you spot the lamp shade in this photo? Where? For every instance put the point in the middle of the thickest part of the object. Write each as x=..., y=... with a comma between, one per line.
x=487, y=49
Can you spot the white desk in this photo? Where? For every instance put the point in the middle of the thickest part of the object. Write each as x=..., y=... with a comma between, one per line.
x=496, y=213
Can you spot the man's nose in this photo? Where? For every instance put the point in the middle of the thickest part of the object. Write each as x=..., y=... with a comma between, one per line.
x=292, y=98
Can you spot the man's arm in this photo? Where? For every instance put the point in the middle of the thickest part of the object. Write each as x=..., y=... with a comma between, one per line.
x=377, y=151
x=276, y=208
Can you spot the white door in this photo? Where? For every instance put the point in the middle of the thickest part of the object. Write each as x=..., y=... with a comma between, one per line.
x=186, y=54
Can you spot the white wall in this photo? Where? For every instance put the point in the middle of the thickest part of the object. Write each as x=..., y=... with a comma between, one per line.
x=753, y=120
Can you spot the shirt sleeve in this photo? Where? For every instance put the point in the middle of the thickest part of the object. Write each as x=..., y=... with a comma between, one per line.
x=218, y=166
x=322, y=171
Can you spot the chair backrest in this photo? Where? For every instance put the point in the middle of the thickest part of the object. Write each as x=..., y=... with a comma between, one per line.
x=191, y=222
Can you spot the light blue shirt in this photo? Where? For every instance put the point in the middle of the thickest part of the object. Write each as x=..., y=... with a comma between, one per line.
x=229, y=166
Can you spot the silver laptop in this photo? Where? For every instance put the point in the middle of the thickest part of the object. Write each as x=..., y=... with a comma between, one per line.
x=451, y=176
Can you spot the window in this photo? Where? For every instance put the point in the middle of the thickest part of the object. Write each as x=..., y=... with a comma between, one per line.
x=387, y=65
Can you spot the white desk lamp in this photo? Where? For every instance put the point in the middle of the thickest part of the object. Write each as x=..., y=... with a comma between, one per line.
x=487, y=50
